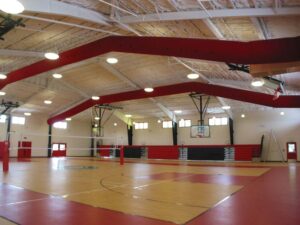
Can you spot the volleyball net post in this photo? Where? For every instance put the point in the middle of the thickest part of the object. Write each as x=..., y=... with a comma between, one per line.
x=121, y=155
x=5, y=156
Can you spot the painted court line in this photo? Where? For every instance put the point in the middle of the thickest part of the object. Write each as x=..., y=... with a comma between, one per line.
x=55, y=210
x=149, y=199
x=173, y=163
x=272, y=199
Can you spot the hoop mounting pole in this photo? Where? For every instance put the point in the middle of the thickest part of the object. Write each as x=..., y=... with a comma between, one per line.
x=122, y=155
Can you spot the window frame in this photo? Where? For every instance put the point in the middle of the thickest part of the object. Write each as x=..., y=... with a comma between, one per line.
x=168, y=123
x=18, y=120
x=185, y=121
x=218, y=121
x=3, y=118
x=57, y=126
x=141, y=125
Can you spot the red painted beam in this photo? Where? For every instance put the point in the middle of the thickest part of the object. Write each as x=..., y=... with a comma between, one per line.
x=209, y=89
x=255, y=52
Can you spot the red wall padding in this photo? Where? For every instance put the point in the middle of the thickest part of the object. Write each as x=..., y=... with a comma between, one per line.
x=104, y=152
x=2, y=145
x=24, y=149
x=163, y=152
x=246, y=152
x=242, y=152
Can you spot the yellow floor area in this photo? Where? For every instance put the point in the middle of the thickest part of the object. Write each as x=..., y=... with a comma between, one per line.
x=127, y=188
x=6, y=222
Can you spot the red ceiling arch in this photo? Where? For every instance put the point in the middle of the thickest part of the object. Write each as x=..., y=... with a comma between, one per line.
x=254, y=52
x=209, y=89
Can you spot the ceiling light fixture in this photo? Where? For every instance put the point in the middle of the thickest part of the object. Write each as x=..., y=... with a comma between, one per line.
x=27, y=114
x=148, y=89
x=51, y=55
x=243, y=116
x=2, y=76
x=68, y=119
x=282, y=113
x=11, y=6
x=2, y=93
x=48, y=102
x=112, y=60
x=193, y=76
x=128, y=115
x=159, y=121
x=95, y=98
x=226, y=107
x=178, y=111
x=97, y=118
x=257, y=82
x=57, y=76
x=115, y=124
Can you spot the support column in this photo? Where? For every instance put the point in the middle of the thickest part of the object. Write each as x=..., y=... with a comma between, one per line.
x=6, y=146
x=129, y=134
x=49, y=140
x=94, y=132
x=174, y=132
x=8, y=128
x=92, y=147
x=231, y=131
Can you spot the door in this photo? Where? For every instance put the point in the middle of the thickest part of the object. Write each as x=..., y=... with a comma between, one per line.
x=59, y=149
x=292, y=150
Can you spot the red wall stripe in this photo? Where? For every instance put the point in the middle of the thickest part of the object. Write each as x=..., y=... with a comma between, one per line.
x=255, y=52
x=209, y=89
x=163, y=152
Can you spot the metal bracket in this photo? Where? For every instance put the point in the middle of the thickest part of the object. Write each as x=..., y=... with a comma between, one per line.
x=202, y=109
x=7, y=24
x=98, y=112
x=7, y=106
x=239, y=67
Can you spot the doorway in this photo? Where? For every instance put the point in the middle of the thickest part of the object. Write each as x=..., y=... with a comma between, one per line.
x=291, y=151
x=59, y=149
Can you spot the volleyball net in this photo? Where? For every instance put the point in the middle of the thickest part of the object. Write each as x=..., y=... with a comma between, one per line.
x=40, y=145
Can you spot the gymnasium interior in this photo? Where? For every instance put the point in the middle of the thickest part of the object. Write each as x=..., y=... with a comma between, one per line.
x=149, y=112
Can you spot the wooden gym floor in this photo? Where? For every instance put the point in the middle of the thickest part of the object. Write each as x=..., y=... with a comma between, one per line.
x=93, y=191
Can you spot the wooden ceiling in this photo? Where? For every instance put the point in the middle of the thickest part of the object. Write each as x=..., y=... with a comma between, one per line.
x=45, y=32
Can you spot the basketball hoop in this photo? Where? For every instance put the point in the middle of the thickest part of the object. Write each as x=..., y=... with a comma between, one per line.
x=198, y=131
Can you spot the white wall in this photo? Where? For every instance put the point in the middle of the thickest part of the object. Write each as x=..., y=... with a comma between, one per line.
x=249, y=130
x=75, y=136
x=36, y=131
x=36, y=125
x=246, y=131
x=115, y=134
x=156, y=135
x=219, y=135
